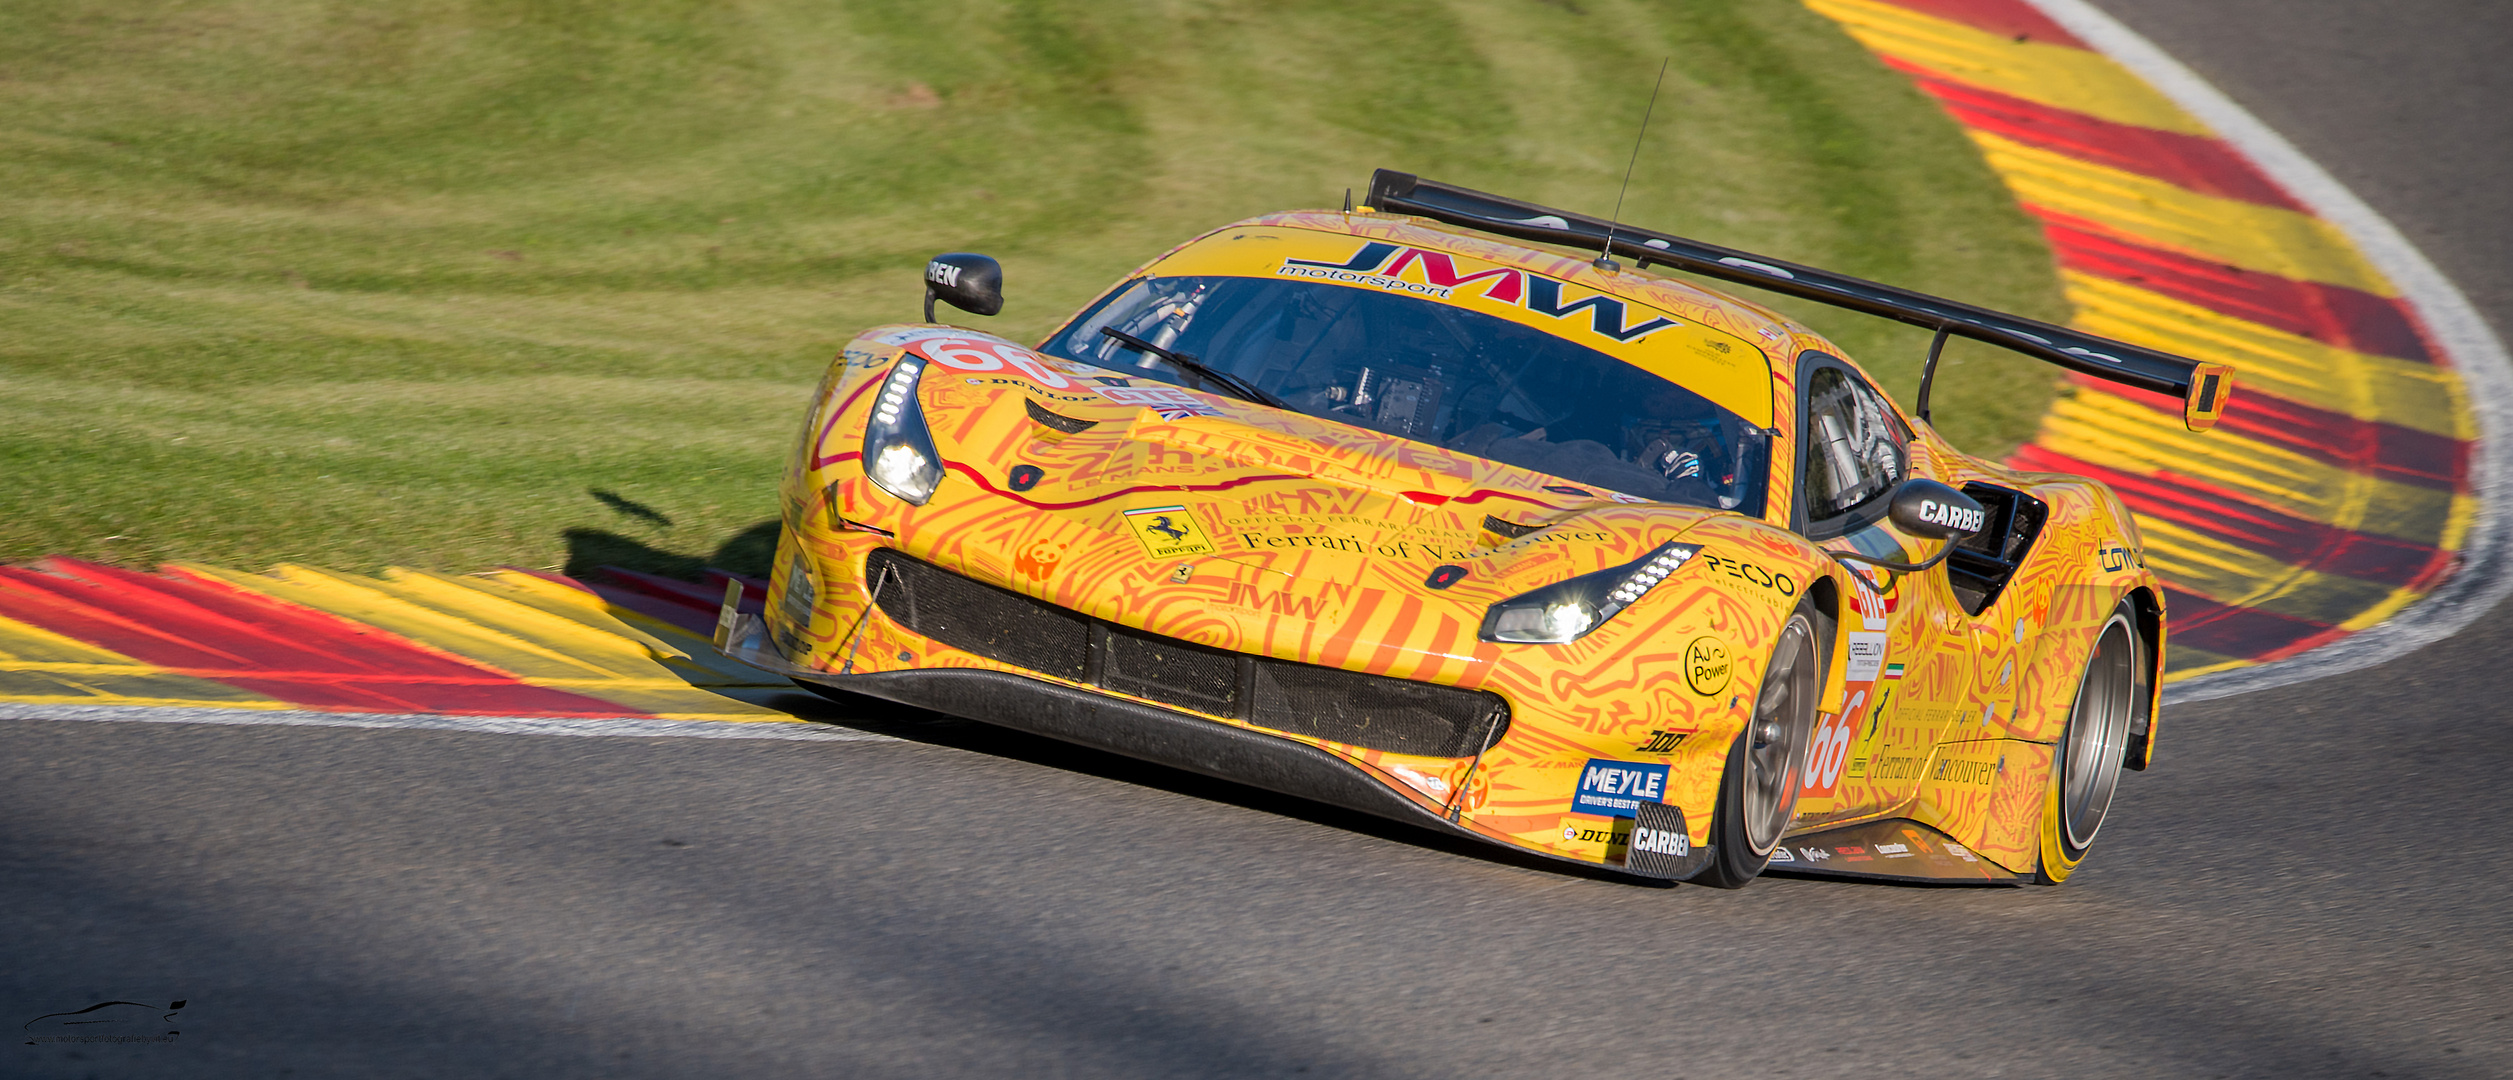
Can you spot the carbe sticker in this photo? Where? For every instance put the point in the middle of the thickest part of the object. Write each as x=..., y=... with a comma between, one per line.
x=1959, y=518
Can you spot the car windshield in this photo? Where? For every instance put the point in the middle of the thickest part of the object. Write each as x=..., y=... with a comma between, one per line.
x=1438, y=374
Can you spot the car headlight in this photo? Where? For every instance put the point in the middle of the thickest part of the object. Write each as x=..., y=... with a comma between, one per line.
x=1569, y=610
x=898, y=452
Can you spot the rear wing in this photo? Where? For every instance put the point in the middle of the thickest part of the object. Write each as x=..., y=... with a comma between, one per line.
x=2202, y=388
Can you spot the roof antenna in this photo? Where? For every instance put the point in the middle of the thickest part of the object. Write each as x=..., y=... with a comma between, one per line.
x=1348, y=200
x=1605, y=258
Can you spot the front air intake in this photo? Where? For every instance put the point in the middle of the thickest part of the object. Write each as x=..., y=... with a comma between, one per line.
x=1373, y=712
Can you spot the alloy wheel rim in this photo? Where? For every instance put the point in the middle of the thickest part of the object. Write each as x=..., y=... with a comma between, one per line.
x=1771, y=754
x=2098, y=730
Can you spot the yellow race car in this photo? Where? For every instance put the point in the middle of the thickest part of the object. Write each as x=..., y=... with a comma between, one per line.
x=1436, y=509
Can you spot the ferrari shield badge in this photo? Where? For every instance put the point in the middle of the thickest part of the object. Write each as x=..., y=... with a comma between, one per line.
x=1168, y=532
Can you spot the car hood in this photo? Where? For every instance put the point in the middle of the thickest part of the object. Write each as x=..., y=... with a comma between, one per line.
x=1128, y=482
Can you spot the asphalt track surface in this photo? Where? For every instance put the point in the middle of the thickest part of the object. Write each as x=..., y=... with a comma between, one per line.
x=2310, y=883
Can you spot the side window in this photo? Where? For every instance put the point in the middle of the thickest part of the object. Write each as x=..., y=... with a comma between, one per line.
x=1853, y=448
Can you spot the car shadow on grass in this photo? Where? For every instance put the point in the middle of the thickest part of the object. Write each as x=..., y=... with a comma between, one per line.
x=748, y=553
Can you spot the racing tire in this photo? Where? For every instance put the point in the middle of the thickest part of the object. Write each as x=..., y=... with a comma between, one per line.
x=2087, y=762
x=1758, y=788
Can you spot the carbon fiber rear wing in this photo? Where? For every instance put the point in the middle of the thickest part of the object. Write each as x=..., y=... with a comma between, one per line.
x=2202, y=388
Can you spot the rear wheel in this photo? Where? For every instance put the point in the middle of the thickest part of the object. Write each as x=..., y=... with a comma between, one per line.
x=2085, y=766
x=1758, y=789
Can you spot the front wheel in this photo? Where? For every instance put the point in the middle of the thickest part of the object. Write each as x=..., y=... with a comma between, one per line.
x=1758, y=789
x=2085, y=767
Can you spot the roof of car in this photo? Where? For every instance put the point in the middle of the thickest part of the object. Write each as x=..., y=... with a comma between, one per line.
x=1736, y=316
x=1730, y=352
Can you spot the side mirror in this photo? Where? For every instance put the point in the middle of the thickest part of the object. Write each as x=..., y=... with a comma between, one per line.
x=971, y=283
x=1928, y=508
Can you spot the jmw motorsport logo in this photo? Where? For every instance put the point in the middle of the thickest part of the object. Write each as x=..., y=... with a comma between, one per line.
x=1383, y=266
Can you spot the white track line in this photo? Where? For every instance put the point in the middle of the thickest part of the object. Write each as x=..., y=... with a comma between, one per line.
x=489, y=725
x=2475, y=352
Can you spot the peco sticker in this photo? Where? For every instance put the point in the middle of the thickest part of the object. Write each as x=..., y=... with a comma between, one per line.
x=1706, y=666
x=1168, y=532
x=1617, y=788
x=1751, y=573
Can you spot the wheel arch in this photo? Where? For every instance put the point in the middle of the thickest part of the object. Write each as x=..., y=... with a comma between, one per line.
x=2147, y=616
x=1823, y=594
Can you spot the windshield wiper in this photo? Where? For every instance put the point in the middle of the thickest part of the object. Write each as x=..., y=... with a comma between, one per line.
x=1229, y=383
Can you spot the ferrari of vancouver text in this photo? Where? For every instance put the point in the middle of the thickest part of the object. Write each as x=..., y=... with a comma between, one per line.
x=1445, y=508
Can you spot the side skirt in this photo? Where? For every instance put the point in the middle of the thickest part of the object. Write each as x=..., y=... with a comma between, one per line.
x=1893, y=849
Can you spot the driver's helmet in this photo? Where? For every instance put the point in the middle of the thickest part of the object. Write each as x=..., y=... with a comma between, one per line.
x=1675, y=447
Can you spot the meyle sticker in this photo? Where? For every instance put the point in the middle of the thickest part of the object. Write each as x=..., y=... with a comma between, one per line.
x=1867, y=655
x=1617, y=788
x=1168, y=532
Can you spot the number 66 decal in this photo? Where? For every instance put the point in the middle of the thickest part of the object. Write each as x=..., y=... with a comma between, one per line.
x=1829, y=750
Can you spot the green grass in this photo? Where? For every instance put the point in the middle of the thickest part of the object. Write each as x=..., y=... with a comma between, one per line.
x=455, y=284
